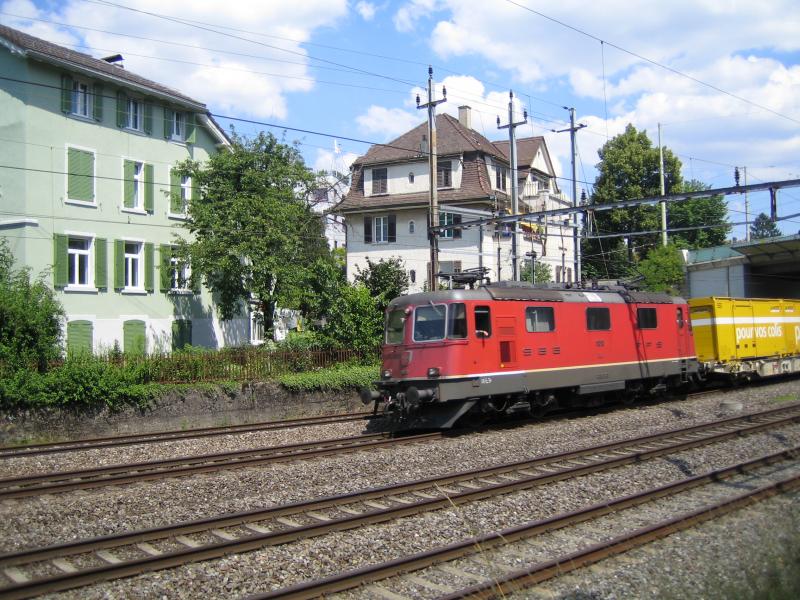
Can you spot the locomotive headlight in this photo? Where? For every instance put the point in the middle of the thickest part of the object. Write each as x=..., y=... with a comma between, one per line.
x=433, y=372
x=387, y=374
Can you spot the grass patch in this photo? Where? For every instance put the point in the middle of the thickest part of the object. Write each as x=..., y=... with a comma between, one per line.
x=333, y=379
x=785, y=398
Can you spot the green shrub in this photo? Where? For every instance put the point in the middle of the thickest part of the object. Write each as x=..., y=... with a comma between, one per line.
x=334, y=379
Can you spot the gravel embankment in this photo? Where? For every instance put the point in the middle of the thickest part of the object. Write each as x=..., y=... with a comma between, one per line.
x=55, y=518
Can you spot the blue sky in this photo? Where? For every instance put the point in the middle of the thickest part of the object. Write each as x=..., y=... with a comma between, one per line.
x=352, y=69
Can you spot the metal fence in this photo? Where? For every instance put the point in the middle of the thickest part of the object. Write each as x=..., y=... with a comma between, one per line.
x=229, y=364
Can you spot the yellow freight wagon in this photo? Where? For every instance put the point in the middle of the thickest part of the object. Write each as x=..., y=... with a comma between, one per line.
x=747, y=335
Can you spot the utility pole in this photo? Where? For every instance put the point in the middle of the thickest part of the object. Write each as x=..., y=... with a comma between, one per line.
x=746, y=209
x=574, y=154
x=512, y=139
x=433, y=217
x=663, y=192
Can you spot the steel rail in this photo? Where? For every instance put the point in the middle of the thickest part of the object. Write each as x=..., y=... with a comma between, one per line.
x=167, y=436
x=595, y=553
x=62, y=481
x=372, y=573
x=438, y=496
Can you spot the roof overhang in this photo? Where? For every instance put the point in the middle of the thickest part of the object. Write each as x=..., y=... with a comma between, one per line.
x=770, y=250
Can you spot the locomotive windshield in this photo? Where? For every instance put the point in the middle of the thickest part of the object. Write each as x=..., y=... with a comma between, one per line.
x=395, y=324
x=429, y=322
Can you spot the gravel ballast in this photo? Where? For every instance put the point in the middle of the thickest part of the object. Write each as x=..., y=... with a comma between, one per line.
x=50, y=519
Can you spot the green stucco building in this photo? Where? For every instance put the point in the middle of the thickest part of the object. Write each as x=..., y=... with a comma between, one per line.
x=88, y=195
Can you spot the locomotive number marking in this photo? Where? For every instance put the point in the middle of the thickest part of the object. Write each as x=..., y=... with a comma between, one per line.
x=486, y=380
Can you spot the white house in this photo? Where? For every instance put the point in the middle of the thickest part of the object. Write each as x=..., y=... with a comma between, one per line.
x=386, y=209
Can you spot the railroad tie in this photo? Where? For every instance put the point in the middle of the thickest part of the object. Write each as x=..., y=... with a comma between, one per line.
x=436, y=587
x=148, y=549
x=256, y=528
x=108, y=557
x=382, y=592
x=459, y=573
x=224, y=535
x=424, y=495
x=399, y=500
x=188, y=542
x=377, y=505
x=288, y=522
x=317, y=516
x=469, y=485
x=15, y=575
x=448, y=491
x=526, y=473
x=349, y=511
x=63, y=565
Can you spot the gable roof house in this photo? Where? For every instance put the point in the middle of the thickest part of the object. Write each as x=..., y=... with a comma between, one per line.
x=90, y=194
x=386, y=209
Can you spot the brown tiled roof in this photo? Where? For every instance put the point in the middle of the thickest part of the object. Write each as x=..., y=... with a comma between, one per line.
x=475, y=186
x=526, y=150
x=452, y=138
x=53, y=53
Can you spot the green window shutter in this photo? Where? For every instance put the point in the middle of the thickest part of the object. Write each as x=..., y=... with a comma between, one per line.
x=165, y=276
x=149, y=189
x=134, y=340
x=191, y=129
x=79, y=337
x=119, y=264
x=66, y=94
x=181, y=333
x=100, y=263
x=149, y=266
x=80, y=175
x=122, y=109
x=97, y=102
x=127, y=183
x=148, y=118
x=175, y=192
x=195, y=191
x=196, y=281
x=168, y=116
x=60, y=265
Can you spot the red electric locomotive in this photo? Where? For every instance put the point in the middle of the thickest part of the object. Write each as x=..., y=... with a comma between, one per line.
x=459, y=354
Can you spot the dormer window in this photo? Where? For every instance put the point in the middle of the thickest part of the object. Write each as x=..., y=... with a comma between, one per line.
x=444, y=174
x=500, y=177
x=380, y=181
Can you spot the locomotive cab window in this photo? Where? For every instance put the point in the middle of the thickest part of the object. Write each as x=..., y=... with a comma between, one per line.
x=539, y=319
x=679, y=318
x=395, y=326
x=457, y=321
x=483, y=322
x=429, y=322
x=646, y=318
x=598, y=319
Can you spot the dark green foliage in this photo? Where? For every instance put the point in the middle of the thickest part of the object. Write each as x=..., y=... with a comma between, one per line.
x=542, y=271
x=662, y=270
x=334, y=379
x=763, y=227
x=255, y=235
x=386, y=280
x=30, y=329
x=355, y=320
x=693, y=213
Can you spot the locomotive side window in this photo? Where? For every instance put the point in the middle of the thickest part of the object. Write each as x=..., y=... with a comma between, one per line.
x=598, y=319
x=429, y=322
x=539, y=319
x=646, y=318
x=457, y=321
x=679, y=318
x=483, y=322
x=395, y=324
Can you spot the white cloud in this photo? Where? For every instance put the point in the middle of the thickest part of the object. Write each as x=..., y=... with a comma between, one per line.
x=241, y=70
x=328, y=160
x=406, y=17
x=366, y=10
x=387, y=122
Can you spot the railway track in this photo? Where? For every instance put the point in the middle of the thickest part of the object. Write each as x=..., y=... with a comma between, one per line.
x=168, y=436
x=517, y=579
x=64, y=481
x=73, y=564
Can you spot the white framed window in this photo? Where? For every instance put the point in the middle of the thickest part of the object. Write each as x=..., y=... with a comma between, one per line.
x=186, y=193
x=446, y=219
x=256, y=327
x=134, y=114
x=81, y=98
x=180, y=275
x=411, y=226
x=500, y=173
x=134, y=266
x=79, y=262
x=178, y=122
x=381, y=229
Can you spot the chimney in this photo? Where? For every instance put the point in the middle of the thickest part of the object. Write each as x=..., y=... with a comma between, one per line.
x=465, y=116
